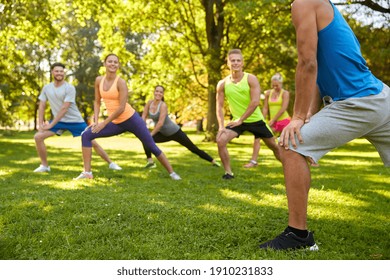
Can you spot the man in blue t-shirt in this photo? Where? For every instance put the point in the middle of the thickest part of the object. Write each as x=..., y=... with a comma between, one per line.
x=357, y=104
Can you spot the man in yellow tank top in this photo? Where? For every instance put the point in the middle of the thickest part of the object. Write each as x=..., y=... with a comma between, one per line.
x=242, y=91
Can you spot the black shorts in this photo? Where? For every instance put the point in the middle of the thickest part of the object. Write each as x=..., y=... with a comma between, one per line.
x=259, y=129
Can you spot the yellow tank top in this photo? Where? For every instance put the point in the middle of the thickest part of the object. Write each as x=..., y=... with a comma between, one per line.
x=111, y=99
x=275, y=105
x=239, y=97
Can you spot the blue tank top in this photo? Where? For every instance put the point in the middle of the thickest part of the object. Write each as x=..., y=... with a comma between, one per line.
x=342, y=71
x=169, y=127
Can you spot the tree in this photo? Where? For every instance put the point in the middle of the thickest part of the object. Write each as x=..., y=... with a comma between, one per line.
x=26, y=36
x=372, y=12
x=378, y=5
x=179, y=44
x=190, y=40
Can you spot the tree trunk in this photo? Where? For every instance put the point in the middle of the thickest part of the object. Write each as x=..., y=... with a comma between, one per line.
x=199, y=126
x=214, y=60
x=212, y=121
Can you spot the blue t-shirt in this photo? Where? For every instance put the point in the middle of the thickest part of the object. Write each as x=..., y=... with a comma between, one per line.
x=342, y=71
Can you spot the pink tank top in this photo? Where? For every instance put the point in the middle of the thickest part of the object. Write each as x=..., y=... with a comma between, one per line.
x=111, y=99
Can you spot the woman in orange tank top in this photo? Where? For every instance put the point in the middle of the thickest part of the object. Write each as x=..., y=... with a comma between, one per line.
x=121, y=118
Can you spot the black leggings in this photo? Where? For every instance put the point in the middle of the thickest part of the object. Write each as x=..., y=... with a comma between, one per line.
x=183, y=140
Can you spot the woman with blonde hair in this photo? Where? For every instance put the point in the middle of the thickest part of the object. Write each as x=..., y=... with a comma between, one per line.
x=275, y=104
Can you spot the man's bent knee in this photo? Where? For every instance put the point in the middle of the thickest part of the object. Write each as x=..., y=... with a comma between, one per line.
x=40, y=136
x=224, y=138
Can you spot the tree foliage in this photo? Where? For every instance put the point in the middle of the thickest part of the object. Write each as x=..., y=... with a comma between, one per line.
x=26, y=38
x=380, y=6
x=181, y=45
x=373, y=12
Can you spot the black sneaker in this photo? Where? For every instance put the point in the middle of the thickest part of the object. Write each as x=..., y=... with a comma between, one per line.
x=228, y=176
x=288, y=240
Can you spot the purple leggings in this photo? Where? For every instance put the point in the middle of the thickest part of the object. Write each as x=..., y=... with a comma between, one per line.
x=135, y=124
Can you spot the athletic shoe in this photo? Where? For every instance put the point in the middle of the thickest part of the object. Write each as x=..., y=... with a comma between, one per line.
x=287, y=240
x=175, y=176
x=228, y=176
x=42, y=168
x=216, y=164
x=114, y=166
x=84, y=175
x=150, y=165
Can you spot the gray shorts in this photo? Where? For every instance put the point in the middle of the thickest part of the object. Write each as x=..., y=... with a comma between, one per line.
x=342, y=121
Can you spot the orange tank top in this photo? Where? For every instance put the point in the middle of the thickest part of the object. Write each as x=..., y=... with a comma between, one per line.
x=111, y=99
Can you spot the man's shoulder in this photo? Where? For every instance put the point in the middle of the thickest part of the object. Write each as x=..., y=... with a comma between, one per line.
x=47, y=86
x=226, y=78
x=47, y=89
x=67, y=85
x=250, y=76
x=221, y=83
x=252, y=79
x=69, y=89
x=306, y=2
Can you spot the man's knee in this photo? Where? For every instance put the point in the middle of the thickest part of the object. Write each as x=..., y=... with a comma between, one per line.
x=222, y=142
x=40, y=136
x=225, y=137
x=37, y=136
x=289, y=156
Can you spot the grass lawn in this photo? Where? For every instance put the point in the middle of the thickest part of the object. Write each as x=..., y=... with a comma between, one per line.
x=139, y=214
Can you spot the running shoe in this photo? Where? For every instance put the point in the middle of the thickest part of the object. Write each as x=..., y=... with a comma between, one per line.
x=42, y=168
x=228, y=176
x=84, y=175
x=175, y=176
x=287, y=240
x=114, y=166
x=150, y=165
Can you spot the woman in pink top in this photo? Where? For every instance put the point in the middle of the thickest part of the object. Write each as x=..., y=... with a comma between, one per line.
x=276, y=104
x=121, y=118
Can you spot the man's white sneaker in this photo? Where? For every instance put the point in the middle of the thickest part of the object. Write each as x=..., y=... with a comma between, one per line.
x=175, y=176
x=84, y=175
x=42, y=168
x=114, y=166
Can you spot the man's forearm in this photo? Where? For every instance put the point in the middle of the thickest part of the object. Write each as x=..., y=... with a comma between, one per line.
x=249, y=111
x=305, y=89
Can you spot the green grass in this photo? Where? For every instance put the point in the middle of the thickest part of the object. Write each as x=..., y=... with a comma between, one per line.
x=143, y=214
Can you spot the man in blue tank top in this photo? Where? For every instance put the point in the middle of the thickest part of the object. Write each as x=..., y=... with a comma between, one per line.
x=357, y=104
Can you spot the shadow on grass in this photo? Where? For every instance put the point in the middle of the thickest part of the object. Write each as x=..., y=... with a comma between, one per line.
x=142, y=214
